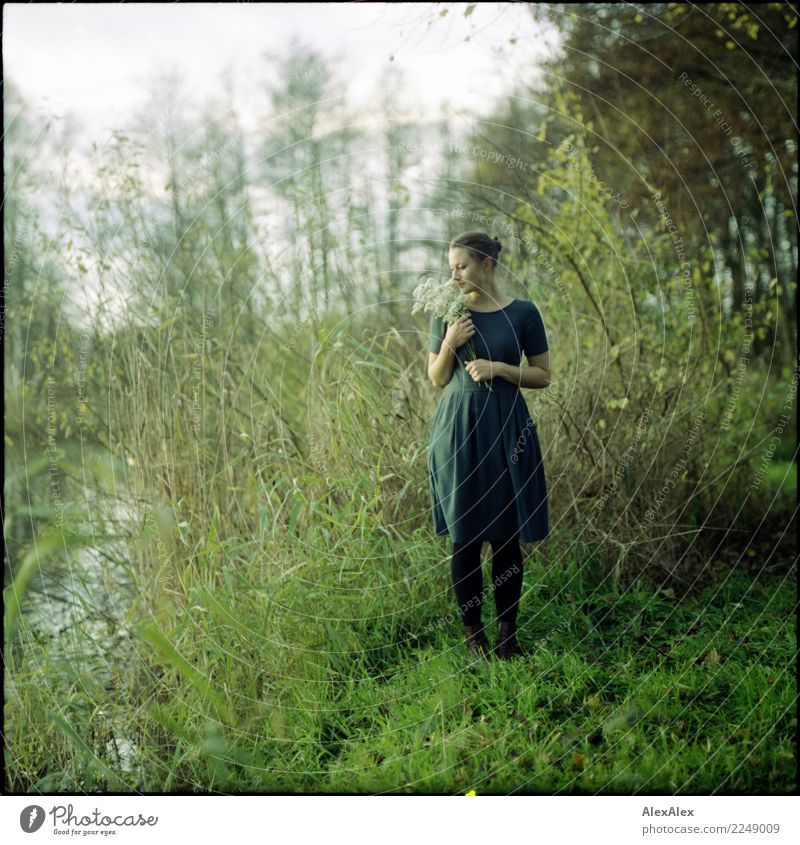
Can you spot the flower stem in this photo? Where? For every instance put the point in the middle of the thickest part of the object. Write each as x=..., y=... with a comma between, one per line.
x=472, y=355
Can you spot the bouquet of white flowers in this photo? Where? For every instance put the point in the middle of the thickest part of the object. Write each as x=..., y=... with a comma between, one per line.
x=445, y=302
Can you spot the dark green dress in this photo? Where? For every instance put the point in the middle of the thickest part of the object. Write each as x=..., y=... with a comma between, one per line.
x=485, y=470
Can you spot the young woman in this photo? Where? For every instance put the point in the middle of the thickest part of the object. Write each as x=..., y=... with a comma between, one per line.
x=486, y=475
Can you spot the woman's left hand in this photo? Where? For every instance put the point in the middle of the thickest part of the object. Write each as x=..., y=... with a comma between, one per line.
x=480, y=369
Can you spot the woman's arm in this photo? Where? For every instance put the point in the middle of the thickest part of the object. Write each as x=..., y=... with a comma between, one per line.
x=536, y=374
x=442, y=362
x=440, y=366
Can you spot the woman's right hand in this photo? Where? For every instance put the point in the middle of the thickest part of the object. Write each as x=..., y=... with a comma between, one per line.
x=460, y=332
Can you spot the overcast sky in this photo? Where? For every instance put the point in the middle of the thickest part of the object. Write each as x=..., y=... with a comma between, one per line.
x=96, y=60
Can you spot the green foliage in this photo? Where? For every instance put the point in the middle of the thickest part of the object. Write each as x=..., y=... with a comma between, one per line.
x=245, y=473
x=613, y=684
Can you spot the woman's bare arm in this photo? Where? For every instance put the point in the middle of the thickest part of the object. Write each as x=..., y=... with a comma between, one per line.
x=440, y=366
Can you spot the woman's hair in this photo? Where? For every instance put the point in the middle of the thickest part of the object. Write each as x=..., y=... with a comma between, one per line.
x=479, y=244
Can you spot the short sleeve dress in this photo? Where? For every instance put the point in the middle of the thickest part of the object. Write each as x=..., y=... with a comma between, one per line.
x=485, y=470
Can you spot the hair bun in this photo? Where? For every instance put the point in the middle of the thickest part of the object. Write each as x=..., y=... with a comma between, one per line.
x=480, y=245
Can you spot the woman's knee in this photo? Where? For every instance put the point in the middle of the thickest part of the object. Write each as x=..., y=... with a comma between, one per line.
x=509, y=544
x=470, y=545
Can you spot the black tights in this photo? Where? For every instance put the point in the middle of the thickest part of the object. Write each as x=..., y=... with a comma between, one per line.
x=506, y=578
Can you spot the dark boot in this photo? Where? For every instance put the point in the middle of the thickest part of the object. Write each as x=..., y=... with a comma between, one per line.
x=506, y=647
x=477, y=644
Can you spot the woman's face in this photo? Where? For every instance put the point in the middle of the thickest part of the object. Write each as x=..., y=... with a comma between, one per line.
x=468, y=273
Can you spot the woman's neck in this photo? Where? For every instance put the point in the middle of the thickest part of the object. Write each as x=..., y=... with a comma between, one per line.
x=487, y=300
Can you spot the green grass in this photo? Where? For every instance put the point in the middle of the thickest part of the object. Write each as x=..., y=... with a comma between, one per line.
x=783, y=475
x=267, y=683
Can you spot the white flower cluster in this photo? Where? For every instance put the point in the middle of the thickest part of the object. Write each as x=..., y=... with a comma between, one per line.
x=442, y=300
x=445, y=302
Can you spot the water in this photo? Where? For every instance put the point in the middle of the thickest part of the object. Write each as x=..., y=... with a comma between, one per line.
x=78, y=611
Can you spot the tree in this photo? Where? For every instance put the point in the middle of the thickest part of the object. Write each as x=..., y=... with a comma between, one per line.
x=699, y=103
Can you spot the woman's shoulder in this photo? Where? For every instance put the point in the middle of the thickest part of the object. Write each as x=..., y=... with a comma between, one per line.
x=529, y=307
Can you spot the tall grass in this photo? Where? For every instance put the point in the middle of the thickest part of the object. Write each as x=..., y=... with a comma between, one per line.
x=285, y=621
x=265, y=682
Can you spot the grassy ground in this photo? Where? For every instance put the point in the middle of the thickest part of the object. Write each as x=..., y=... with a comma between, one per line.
x=269, y=683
